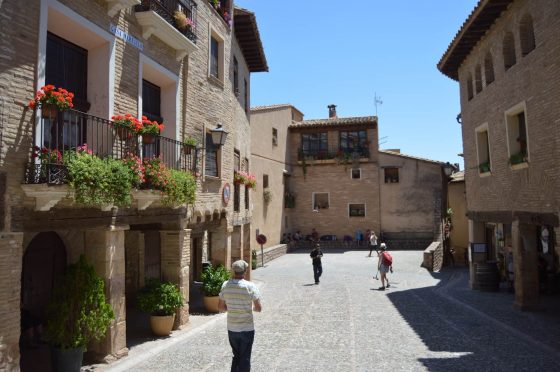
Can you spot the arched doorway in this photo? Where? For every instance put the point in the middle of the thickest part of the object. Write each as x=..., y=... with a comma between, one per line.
x=43, y=262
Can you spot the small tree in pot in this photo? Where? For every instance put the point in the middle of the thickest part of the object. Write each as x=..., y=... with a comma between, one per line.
x=76, y=315
x=161, y=300
x=212, y=280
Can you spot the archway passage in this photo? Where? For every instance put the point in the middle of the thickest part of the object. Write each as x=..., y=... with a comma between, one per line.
x=43, y=262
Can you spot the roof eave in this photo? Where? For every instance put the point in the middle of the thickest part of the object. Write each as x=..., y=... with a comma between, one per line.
x=248, y=37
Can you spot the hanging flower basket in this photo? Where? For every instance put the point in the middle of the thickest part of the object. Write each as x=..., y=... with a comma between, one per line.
x=150, y=129
x=239, y=178
x=51, y=100
x=123, y=133
x=148, y=138
x=49, y=111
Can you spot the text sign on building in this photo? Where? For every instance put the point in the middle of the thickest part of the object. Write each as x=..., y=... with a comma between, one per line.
x=126, y=37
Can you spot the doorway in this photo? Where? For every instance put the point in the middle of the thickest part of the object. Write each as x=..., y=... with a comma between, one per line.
x=44, y=262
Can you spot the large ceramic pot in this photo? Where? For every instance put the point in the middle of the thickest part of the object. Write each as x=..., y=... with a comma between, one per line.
x=123, y=133
x=211, y=303
x=67, y=360
x=162, y=325
x=49, y=111
x=148, y=138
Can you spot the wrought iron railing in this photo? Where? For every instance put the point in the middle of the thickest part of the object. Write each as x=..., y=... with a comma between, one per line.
x=59, y=132
x=336, y=154
x=166, y=9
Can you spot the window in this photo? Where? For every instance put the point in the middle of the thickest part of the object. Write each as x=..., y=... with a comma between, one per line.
x=356, y=173
x=526, y=35
x=265, y=181
x=246, y=95
x=246, y=197
x=483, y=149
x=478, y=79
x=314, y=143
x=235, y=76
x=355, y=141
x=391, y=175
x=320, y=200
x=151, y=101
x=356, y=210
x=211, y=157
x=516, y=127
x=236, y=160
x=488, y=68
x=214, y=57
x=274, y=137
x=470, y=94
x=236, y=196
x=509, y=51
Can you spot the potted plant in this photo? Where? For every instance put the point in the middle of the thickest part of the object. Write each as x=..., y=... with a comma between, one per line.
x=251, y=181
x=161, y=300
x=126, y=125
x=77, y=314
x=484, y=167
x=150, y=129
x=518, y=158
x=239, y=177
x=182, y=21
x=189, y=143
x=267, y=196
x=212, y=280
x=253, y=259
x=50, y=100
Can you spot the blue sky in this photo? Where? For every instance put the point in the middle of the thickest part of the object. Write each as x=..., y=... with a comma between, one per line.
x=343, y=52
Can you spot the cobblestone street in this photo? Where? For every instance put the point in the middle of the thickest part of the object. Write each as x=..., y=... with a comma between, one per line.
x=425, y=321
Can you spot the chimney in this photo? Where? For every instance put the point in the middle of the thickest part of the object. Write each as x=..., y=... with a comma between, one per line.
x=332, y=111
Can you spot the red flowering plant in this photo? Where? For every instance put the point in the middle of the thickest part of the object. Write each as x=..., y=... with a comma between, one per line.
x=127, y=121
x=47, y=156
x=156, y=174
x=239, y=177
x=50, y=95
x=251, y=181
x=151, y=127
x=135, y=164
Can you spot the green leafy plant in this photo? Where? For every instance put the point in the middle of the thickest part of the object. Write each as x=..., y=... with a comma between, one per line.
x=212, y=280
x=253, y=259
x=484, y=167
x=180, y=188
x=190, y=141
x=97, y=181
x=518, y=158
x=159, y=298
x=78, y=312
x=151, y=127
x=267, y=196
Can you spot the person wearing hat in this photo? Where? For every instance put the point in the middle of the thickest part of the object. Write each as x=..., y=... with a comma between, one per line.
x=316, y=255
x=240, y=297
x=384, y=265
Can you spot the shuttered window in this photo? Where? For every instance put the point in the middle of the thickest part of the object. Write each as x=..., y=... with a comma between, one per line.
x=151, y=101
x=211, y=159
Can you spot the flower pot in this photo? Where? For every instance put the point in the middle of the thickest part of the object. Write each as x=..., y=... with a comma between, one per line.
x=162, y=325
x=148, y=138
x=187, y=150
x=67, y=360
x=124, y=133
x=49, y=111
x=211, y=303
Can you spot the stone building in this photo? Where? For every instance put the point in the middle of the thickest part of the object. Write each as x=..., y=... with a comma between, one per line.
x=506, y=58
x=118, y=57
x=329, y=174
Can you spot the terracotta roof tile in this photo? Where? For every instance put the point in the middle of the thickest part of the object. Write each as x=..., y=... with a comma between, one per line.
x=410, y=156
x=361, y=120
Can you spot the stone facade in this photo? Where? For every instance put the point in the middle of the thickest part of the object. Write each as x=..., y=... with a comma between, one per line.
x=154, y=236
x=513, y=107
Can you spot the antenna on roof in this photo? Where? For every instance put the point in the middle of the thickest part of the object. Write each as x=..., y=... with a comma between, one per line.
x=383, y=140
x=376, y=101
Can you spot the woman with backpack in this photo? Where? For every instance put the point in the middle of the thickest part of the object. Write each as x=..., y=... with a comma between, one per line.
x=384, y=265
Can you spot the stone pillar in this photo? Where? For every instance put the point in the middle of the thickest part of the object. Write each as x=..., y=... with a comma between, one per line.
x=104, y=249
x=11, y=257
x=221, y=244
x=175, y=259
x=236, y=244
x=526, y=276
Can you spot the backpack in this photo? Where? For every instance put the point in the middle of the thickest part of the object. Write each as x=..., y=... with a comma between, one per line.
x=387, y=259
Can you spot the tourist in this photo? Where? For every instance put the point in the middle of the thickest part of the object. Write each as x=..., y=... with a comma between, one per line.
x=240, y=298
x=316, y=255
x=384, y=265
x=373, y=243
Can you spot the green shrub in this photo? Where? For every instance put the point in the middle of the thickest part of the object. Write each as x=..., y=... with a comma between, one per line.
x=180, y=188
x=97, y=181
x=212, y=280
x=78, y=312
x=159, y=298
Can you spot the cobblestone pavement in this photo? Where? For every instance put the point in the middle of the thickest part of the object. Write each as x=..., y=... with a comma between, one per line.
x=425, y=321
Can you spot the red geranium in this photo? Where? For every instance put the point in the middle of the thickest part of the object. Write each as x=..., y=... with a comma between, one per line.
x=151, y=127
x=50, y=95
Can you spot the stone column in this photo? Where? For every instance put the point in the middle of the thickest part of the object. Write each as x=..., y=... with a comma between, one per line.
x=104, y=249
x=526, y=276
x=221, y=244
x=175, y=259
x=11, y=257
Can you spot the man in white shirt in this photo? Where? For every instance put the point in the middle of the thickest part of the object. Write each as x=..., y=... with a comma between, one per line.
x=372, y=243
x=240, y=297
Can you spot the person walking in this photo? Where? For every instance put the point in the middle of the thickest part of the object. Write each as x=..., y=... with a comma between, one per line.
x=372, y=243
x=316, y=255
x=384, y=265
x=240, y=297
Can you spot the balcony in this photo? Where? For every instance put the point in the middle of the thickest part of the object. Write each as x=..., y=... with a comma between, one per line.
x=62, y=133
x=172, y=21
x=116, y=5
x=340, y=155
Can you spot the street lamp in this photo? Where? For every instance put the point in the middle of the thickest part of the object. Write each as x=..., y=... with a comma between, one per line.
x=448, y=169
x=218, y=135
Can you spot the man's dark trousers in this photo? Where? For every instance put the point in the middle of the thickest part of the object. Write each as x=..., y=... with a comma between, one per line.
x=317, y=271
x=241, y=345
